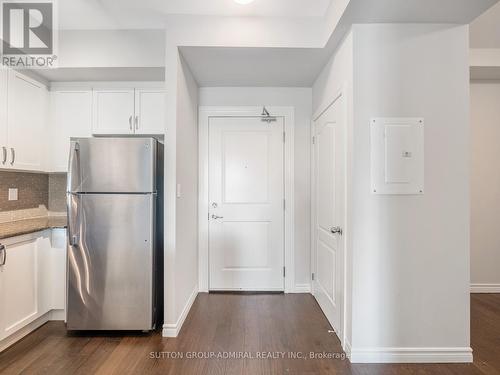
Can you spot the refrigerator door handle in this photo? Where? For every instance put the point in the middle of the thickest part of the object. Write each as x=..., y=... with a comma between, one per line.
x=72, y=166
x=72, y=198
x=72, y=203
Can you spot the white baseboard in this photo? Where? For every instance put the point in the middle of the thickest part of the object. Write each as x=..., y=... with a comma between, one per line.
x=302, y=288
x=58, y=315
x=411, y=355
x=346, y=346
x=485, y=288
x=27, y=329
x=173, y=329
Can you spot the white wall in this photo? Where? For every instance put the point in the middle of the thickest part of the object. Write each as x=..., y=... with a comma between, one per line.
x=186, y=259
x=181, y=213
x=300, y=99
x=111, y=48
x=485, y=186
x=411, y=253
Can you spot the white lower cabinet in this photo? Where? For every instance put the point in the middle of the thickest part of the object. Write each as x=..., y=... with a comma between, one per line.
x=20, y=295
x=58, y=270
x=32, y=283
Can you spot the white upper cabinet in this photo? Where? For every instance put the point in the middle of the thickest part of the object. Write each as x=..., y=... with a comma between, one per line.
x=26, y=123
x=139, y=111
x=71, y=117
x=4, y=78
x=149, y=111
x=113, y=112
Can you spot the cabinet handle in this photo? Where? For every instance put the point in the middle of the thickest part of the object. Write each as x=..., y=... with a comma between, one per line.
x=136, y=122
x=4, y=149
x=3, y=253
x=130, y=123
x=13, y=154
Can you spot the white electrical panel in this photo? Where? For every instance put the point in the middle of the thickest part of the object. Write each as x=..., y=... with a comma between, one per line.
x=397, y=155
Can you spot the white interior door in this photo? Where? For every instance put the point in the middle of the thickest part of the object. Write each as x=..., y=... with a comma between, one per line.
x=246, y=212
x=329, y=210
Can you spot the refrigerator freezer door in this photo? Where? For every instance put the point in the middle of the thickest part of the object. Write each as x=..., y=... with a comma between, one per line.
x=110, y=262
x=112, y=165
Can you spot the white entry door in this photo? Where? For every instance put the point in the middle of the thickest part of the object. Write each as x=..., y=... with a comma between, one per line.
x=246, y=210
x=329, y=203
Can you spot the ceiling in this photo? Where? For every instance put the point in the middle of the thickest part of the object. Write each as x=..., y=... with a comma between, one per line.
x=485, y=30
x=108, y=14
x=243, y=66
x=259, y=67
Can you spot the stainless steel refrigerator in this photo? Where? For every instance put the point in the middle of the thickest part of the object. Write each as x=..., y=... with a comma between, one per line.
x=115, y=235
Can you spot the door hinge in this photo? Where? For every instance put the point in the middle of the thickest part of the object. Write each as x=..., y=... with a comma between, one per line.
x=284, y=137
x=312, y=276
x=284, y=204
x=314, y=140
x=284, y=272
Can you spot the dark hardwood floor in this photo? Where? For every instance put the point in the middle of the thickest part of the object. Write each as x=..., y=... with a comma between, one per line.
x=235, y=323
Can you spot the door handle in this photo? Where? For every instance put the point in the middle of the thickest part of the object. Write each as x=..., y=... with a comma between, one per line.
x=70, y=184
x=336, y=230
x=4, y=149
x=136, y=122
x=130, y=123
x=215, y=217
x=13, y=154
x=3, y=252
x=73, y=225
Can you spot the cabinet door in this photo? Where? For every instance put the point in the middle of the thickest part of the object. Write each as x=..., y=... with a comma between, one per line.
x=3, y=117
x=71, y=117
x=113, y=112
x=44, y=272
x=149, y=111
x=19, y=298
x=26, y=125
x=58, y=269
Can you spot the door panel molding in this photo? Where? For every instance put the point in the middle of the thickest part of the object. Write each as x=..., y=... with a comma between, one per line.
x=205, y=113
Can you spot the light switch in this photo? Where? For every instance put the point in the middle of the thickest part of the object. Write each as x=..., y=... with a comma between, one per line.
x=13, y=194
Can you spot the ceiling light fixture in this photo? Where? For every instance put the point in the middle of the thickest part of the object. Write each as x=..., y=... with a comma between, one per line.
x=243, y=2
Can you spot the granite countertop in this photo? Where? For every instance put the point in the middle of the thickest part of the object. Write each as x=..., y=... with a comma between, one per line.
x=25, y=226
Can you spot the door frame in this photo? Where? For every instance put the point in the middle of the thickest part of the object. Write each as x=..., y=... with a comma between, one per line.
x=207, y=112
x=342, y=92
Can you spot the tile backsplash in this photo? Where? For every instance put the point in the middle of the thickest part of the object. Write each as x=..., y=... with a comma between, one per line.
x=57, y=192
x=33, y=190
x=38, y=194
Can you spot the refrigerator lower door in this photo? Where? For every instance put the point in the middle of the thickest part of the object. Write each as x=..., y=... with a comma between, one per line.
x=110, y=262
